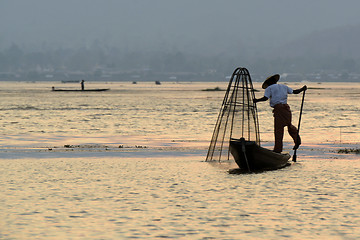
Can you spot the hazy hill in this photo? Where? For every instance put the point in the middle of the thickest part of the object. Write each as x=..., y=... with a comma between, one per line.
x=343, y=42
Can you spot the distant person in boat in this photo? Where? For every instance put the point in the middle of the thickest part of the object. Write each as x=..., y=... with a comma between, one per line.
x=82, y=85
x=278, y=93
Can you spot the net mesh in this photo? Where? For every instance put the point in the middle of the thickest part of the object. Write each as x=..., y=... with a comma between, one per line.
x=237, y=118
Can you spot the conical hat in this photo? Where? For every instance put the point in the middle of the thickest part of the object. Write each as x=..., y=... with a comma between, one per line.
x=271, y=80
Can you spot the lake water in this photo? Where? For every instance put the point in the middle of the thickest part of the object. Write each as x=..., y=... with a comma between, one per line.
x=129, y=163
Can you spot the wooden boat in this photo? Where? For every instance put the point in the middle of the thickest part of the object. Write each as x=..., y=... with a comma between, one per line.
x=70, y=81
x=79, y=90
x=251, y=157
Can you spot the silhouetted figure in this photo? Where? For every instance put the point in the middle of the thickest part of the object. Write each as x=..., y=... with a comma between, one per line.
x=82, y=85
x=278, y=93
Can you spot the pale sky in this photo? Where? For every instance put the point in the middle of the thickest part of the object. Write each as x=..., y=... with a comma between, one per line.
x=189, y=25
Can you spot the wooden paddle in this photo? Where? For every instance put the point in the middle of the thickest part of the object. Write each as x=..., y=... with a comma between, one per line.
x=301, y=108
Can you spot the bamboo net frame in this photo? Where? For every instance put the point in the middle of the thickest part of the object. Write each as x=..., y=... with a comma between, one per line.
x=237, y=118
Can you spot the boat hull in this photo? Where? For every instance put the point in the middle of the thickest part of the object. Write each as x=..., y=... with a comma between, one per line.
x=251, y=157
x=79, y=90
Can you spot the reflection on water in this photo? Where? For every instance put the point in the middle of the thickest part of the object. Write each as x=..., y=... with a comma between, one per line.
x=157, y=185
x=176, y=197
x=33, y=115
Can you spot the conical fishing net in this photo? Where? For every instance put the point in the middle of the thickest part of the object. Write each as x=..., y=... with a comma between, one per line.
x=237, y=118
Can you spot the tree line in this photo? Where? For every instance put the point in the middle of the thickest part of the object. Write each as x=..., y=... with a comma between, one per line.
x=15, y=59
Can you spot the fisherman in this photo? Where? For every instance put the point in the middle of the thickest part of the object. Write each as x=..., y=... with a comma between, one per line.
x=82, y=85
x=282, y=114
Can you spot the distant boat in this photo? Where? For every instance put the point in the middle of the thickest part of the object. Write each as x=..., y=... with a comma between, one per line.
x=70, y=81
x=79, y=90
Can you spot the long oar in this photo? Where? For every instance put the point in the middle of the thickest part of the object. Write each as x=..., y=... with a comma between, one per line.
x=302, y=104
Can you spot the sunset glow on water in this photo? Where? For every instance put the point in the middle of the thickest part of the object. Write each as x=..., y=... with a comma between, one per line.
x=129, y=163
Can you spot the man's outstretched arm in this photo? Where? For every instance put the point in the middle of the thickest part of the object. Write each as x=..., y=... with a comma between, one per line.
x=297, y=91
x=263, y=99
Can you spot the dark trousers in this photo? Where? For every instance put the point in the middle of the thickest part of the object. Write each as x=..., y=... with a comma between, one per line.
x=282, y=118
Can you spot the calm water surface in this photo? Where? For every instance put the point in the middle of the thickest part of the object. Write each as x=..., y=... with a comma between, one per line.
x=157, y=185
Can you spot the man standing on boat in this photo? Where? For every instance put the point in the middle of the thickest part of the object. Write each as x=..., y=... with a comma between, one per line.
x=277, y=93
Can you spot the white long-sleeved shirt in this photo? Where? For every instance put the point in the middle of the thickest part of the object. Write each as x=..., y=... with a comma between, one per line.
x=277, y=93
